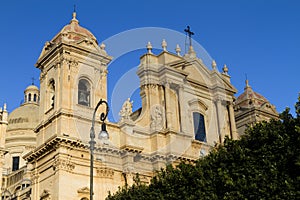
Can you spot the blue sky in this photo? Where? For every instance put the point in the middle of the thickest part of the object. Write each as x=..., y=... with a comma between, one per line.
x=260, y=38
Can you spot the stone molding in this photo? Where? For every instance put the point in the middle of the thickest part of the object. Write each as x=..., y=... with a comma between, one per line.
x=50, y=145
x=45, y=195
x=83, y=190
x=105, y=172
x=63, y=164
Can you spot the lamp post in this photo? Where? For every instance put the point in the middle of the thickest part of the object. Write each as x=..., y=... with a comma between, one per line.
x=102, y=135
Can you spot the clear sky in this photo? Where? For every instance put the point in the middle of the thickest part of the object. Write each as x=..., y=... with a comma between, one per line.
x=260, y=38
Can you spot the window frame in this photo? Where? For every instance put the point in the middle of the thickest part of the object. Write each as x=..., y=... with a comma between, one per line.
x=203, y=129
x=15, y=163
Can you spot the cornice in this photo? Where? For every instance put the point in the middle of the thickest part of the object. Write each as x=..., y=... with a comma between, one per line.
x=51, y=145
x=62, y=112
x=73, y=48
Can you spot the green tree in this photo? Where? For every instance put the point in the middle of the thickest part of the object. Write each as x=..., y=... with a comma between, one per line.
x=263, y=164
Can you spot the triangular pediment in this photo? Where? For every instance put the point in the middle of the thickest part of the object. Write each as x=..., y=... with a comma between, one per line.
x=196, y=71
x=211, y=78
x=47, y=48
x=227, y=85
x=269, y=108
x=167, y=57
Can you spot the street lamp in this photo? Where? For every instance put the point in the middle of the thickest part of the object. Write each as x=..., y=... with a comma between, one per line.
x=102, y=135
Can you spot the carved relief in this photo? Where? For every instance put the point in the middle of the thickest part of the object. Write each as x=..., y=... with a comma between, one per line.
x=104, y=172
x=29, y=147
x=128, y=169
x=103, y=70
x=34, y=176
x=84, y=190
x=73, y=62
x=66, y=59
x=66, y=165
x=45, y=195
x=42, y=75
x=157, y=117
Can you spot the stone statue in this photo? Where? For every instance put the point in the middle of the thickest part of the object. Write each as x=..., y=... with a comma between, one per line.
x=126, y=110
x=157, y=117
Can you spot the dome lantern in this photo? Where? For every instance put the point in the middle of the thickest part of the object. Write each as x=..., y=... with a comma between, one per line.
x=31, y=94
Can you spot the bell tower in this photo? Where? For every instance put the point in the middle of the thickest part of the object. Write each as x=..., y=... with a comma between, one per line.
x=73, y=69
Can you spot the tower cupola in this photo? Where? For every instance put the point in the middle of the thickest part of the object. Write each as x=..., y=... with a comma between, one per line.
x=32, y=94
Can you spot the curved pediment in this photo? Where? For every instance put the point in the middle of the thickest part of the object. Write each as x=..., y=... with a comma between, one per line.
x=197, y=103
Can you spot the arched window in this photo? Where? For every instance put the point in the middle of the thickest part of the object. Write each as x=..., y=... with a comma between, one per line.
x=52, y=93
x=199, y=127
x=29, y=97
x=84, y=92
x=34, y=97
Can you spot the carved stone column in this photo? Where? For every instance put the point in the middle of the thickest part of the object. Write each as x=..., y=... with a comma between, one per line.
x=182, y=109
x=168, y=105
x=218, y=104
x=232, y=122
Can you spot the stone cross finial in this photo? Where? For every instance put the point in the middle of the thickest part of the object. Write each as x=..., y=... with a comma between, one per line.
x=164, y=45
x=32, y=79
x=178, y=50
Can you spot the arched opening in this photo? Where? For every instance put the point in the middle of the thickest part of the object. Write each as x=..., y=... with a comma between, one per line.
x=51, y=93
x=84, y=92
x=34, y=97
x=29, y=97
x=19, y=187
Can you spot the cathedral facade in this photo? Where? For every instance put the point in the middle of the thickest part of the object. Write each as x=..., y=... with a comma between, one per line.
x=187, y=109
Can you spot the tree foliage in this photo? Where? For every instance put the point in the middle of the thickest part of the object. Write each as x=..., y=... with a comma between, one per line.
x=263, y=164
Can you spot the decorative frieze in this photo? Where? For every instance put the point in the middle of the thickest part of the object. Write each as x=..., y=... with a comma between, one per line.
x=105, y=172
x=18, y=120
x=61, y=164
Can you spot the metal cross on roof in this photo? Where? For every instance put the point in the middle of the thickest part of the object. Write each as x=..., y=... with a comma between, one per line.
x=32, y=78
x=189, y=33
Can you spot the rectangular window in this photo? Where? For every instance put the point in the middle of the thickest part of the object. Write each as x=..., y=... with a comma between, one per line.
x=199, y=127
x=15, y=164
